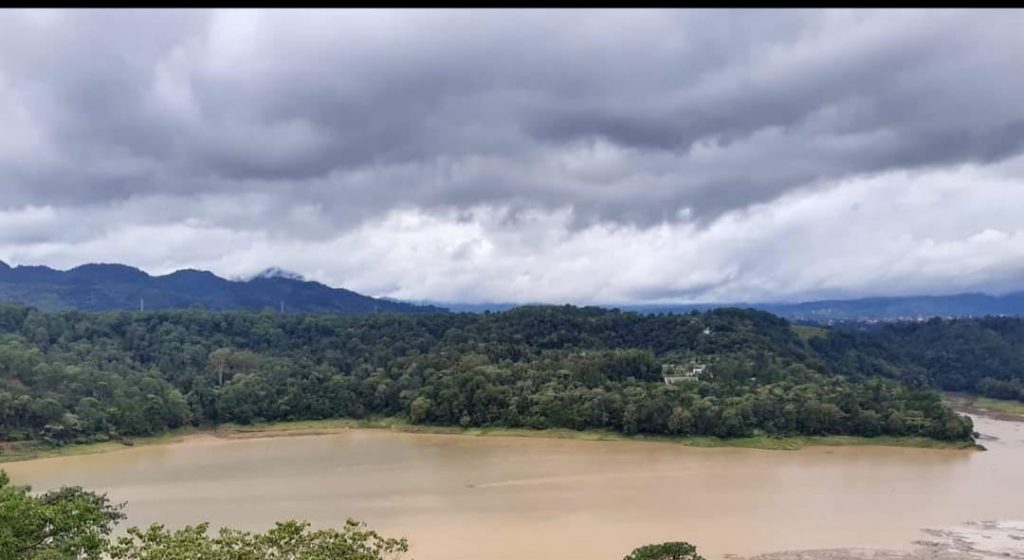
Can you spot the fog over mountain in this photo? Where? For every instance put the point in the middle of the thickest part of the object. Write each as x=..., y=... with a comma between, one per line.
x=648, y=157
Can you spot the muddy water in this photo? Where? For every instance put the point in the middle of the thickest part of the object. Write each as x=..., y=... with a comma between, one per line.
x=467, y=498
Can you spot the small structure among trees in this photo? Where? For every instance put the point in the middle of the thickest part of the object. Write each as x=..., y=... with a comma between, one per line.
x=674, y=373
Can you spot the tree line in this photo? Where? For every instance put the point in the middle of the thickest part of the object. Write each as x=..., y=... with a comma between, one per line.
x=80, y=377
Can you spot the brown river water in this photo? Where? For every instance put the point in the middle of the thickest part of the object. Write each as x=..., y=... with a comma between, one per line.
x=497, y=498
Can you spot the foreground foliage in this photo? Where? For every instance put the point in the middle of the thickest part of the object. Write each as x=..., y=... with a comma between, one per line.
x=73, y=523
x=665, y=551
x=286, y=541
x=61, y=524
x=82, y=377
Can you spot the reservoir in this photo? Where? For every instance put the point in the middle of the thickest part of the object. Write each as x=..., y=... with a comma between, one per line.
x=502, y=498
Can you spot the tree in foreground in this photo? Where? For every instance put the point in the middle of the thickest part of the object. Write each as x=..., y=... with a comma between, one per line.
x=665, y=551
x=288, y=540
x=75, y=524
x=65, y=523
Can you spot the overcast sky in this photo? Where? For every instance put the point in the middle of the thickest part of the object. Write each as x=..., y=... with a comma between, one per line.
x=580, y=156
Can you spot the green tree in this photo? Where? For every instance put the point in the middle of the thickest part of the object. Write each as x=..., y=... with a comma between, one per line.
x=419, y=409
x=665, y=551
x=60, y=524
x=680, y=422
x=286, y=541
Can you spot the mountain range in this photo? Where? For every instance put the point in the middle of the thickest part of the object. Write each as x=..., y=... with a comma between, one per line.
x=900, y=308
x=102, y=287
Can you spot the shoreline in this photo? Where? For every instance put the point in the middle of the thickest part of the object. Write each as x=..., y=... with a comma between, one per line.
x=999, y=409
x=342, y=425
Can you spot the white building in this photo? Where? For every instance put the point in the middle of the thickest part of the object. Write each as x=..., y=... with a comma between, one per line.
x=694, y=372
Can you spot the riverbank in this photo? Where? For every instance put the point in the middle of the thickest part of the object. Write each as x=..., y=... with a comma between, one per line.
x=27, y=451
x=1015, y=408
x=339, y=425
x=316, y=427
x=985, y=406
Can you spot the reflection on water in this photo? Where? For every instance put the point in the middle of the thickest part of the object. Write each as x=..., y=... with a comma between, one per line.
x=512, y=498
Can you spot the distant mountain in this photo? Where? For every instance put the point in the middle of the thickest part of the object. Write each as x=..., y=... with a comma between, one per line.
x=872, y=309
x=903, y=308
x=97, y=287
x=831, y=311
x=100, y=287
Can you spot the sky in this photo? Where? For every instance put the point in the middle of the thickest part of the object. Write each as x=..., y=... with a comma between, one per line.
x=523, y=156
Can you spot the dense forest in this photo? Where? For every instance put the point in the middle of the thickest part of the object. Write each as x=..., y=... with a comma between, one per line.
x=983, y=356
x=78, y=376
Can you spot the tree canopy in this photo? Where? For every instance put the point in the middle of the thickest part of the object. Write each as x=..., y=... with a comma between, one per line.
x=79, y=377
x=288, y=540
x=983, y=356
x=67, y=523
x=677, y=550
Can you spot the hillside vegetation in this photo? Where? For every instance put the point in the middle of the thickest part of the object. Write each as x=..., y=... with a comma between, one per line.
x=81, y=377
x=982, y=356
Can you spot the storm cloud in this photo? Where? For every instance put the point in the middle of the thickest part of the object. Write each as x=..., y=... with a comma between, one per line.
x=586, y=156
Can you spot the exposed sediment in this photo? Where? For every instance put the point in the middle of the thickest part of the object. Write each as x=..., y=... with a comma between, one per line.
x=978, y=540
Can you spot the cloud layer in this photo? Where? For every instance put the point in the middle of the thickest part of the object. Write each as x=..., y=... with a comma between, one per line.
x=525, y=156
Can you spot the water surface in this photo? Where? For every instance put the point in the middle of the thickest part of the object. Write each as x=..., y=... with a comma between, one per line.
x=482, y=498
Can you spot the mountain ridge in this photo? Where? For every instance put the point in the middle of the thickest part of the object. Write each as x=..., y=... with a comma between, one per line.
x=114, y=286
x=876, y=308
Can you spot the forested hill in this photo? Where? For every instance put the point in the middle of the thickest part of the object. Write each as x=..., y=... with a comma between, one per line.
x=77, y=376
x=105, y=287
x=983, y=356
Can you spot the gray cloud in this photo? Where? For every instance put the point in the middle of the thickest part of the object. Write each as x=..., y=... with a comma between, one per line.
x=305, y=127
